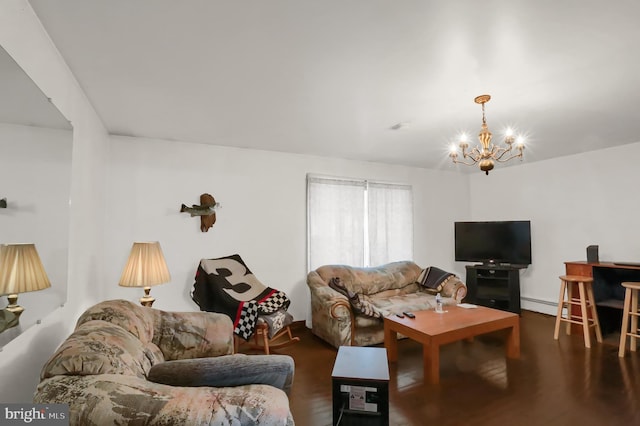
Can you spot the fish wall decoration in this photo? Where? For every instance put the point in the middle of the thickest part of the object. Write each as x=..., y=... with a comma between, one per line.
x=206, y=210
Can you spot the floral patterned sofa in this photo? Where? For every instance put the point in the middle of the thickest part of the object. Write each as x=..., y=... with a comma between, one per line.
x=104, y=371
x=385, y=290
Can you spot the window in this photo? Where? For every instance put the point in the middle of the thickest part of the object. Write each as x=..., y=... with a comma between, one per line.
x=358, y=222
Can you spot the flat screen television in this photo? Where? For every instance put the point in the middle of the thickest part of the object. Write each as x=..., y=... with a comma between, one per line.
x=504, y=242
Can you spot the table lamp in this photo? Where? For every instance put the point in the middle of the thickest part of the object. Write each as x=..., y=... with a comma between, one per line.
x=146, y=267
x=21, y=270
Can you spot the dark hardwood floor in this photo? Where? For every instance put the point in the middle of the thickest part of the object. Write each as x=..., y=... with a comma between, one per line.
x=553, y=382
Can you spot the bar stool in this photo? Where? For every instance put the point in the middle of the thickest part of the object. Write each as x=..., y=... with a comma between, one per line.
x=585, y=301
x=630, y=312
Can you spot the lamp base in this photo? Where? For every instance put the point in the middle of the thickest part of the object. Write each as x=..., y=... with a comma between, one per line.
x=147, y=300
x=13, y=306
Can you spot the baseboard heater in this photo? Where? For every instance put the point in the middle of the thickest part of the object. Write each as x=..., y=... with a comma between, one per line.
x=542, y=302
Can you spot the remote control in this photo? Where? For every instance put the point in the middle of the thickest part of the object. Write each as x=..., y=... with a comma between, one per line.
x=409, y=314
x=400, y=315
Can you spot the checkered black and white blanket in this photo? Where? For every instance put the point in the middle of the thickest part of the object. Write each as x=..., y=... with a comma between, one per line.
x=225, y=285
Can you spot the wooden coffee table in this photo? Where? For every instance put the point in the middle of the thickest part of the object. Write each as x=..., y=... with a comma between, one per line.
x=434, y=329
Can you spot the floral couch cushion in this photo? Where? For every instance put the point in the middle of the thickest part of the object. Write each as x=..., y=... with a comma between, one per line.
x=115, y=399
x=185, y=335
x=138, y=322
x=418, y=301
x=99, y=347
x=372, y=280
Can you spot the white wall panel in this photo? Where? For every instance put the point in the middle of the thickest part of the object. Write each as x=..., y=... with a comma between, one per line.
x=572, y=202
x=263, y=215
x=22, y=36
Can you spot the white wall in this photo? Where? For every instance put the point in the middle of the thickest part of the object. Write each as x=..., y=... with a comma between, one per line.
x=35, y=171
x=22, y=36
x=263, y=215
x=572, y=202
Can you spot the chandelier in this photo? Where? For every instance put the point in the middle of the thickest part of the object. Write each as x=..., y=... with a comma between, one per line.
x=486, y=154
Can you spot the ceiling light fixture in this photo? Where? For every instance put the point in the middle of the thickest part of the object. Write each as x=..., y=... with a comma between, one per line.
x=486, y=153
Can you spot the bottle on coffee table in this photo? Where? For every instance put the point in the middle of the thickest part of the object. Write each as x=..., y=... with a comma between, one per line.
x=439, y=303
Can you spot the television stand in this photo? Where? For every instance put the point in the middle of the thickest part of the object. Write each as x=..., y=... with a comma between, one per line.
x=495, y=286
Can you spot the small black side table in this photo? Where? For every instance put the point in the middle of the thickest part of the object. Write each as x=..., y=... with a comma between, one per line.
x=360, y=387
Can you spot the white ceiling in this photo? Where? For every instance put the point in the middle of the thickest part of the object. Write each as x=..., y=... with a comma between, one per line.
x=332, y=77
x=22, y=102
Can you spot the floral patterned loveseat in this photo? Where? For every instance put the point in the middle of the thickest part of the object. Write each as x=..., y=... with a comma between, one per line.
x=104, y=371
x=388, y=289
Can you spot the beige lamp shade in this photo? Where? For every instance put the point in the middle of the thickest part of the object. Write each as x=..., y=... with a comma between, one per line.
x=21, y=270
x=146, y=267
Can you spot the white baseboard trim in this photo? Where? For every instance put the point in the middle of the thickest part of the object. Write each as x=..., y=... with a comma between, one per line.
x=539, y=305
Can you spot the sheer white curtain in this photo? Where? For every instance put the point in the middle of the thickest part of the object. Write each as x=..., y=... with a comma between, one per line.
x=334, y=222
x=390, y=223
x=358, y=223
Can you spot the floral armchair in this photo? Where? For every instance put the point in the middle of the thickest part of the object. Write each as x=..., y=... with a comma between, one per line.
x=130, y=364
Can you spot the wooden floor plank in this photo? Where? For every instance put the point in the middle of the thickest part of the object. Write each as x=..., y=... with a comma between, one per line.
x=552, y=383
